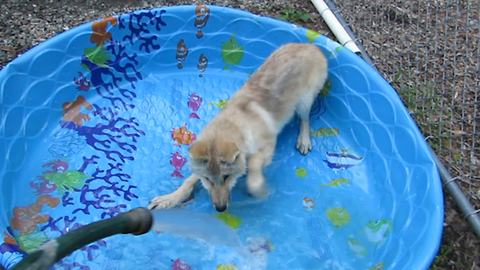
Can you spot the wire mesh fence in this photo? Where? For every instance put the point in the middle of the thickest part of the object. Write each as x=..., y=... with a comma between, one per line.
x=430, y=52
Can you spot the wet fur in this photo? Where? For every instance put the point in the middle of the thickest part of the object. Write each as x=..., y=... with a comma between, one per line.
x=244, y=134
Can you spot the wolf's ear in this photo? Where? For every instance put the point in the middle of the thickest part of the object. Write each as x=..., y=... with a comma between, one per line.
x=199, y=150
x=228, y=151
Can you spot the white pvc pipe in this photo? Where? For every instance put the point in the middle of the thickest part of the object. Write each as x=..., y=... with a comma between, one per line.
x=335, y=26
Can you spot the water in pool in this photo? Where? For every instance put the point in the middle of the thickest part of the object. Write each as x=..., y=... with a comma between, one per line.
x=322, y=212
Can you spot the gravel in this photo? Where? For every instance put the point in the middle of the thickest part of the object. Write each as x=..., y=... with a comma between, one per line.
x=24, y=24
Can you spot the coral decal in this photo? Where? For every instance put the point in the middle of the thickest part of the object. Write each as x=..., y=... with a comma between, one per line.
x=202, y=13
x=202, y=64
x=98, y=186
x=137, y=23
x=182, y=135
x=194, y=103
x=177, y=161
x=100, y=34
x=72, y=111
x=232, y=52
x=182, y=53
x=111, y=131
x=25, y=219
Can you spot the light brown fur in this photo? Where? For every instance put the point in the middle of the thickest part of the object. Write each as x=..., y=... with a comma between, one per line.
x=244, y=134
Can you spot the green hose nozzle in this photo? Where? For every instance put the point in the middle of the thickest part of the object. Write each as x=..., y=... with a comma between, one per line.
x=136, y=221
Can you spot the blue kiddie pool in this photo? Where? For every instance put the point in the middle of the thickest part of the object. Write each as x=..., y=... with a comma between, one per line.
x=98, y=120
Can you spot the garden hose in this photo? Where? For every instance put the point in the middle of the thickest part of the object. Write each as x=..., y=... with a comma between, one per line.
x=136, y=221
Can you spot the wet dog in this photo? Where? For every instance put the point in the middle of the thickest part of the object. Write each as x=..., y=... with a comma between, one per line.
x=241, y=138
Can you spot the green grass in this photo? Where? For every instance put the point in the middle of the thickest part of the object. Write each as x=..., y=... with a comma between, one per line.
x=296, y=16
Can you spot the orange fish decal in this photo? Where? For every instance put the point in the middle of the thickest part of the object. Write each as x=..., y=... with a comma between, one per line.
x=202, y=13
x=182, y=52
x=25, y=219
x=182, y=135
x=71, y=111
x=100, y=34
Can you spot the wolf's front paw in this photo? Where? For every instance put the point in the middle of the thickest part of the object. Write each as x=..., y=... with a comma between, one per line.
x=256, y=186
x=304, y=145
x=165, y=201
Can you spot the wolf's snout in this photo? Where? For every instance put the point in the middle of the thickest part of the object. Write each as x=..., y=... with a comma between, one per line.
x=221, y=208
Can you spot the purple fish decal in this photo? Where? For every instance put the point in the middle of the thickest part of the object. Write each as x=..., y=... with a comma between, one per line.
x=43, y=186
x=194, y=103
x=180, y=265
x=82, y=82
x=56, y=166
x=342, y=160
x=177, y=161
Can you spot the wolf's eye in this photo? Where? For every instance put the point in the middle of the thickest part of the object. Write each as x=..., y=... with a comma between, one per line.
x=225, y=177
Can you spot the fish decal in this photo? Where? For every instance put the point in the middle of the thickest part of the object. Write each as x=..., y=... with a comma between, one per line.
x=194, y=103
x=182, y=52
x=180, y=265
x=177, y=161
x=183, y=136
x=378, y=230
x=202, y=64
x=357, y=247
x=308, y=203
x=72, y=111
x=202, y=13
x=82, y=83
x=338, y=216
x=342, y=160
x=232, y=52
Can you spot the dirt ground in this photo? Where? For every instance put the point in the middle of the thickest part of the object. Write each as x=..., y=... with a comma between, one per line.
x=23, y=24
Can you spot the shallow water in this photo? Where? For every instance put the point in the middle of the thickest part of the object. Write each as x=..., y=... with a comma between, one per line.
x=196, y=226
x=316, y=217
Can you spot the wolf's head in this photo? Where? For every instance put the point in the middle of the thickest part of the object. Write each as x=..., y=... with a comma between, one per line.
x=218, y=163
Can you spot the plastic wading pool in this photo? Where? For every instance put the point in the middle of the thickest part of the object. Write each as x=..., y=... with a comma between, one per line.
x=98, y=120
